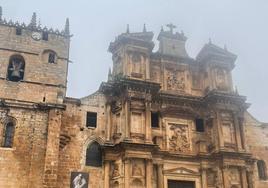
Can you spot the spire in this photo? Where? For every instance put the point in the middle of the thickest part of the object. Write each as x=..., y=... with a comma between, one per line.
x=127, y=28
x=33, y=21
x=144, y=28
x=67, y=27
x=1, y=13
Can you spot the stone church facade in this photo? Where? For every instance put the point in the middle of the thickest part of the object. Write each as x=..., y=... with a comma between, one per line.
x=161, y=120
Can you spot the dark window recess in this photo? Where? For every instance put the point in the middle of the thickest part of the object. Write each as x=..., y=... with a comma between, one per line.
x=94, y=155
x=91, y=119
x=18, y=31
x=51, y=57
x=262, y=170
x=45, y=36
x=15, y=71
x=199, y=124
x=8, y=135
x=154, y=119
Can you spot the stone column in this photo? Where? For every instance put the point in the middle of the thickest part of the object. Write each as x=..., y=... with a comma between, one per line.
x=204, y=177
x=149, y=173
x=217, y=121
x=127, y=119
x=225, y=177
x=244, y=177
x=127, y=173
x=160, y=176
x=106, y=174
x=109, y=122
x=148, y=134
x=237, y=133
x=52, y=149
x=147, y=63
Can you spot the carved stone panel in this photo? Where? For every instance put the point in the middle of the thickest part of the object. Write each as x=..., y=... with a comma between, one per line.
x=178, y=138
x=234, y=176
x=227, y=123
x=175, y=80
x=136, y=122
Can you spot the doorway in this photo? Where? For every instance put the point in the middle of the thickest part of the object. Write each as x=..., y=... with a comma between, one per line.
x=180, y=184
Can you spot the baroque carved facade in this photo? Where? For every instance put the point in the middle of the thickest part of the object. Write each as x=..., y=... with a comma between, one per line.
x=162, y=120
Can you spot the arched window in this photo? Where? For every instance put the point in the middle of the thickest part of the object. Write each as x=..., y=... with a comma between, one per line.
x=8, y=135
x=15, y=70
x=262, y=170
x=94, y=155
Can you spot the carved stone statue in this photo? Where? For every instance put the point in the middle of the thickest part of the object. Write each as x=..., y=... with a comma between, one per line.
x=136, y=170
x=116, y=172
x=16, y=69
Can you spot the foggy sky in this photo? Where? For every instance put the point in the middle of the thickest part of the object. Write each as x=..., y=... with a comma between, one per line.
x=240, y=24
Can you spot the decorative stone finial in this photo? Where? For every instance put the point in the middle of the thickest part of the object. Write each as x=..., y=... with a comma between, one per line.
x=171, y=27
x=67, y=27
x=162, y=28
x=182, y=33
x=127, y=28
x=144, y=28
x=209, y=41
x=225, y=47
x=33, y=21
x=1, y=13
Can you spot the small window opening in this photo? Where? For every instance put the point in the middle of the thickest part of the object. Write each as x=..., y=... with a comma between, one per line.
x=94, y=155
x=45, y=36
x=154, y=119
x=262, y=170
x=199, y=123
x=8, y=135
x=16, y=68
x=18, y=31
x=51, y=57
x=91, y=119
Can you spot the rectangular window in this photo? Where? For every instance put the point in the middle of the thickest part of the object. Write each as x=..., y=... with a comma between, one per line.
x=154, y=119
x=45, y=36
x=199, y=124
x=91, y=119
x=18, y=31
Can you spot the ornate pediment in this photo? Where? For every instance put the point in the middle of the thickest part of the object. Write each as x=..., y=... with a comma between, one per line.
x=181, y=170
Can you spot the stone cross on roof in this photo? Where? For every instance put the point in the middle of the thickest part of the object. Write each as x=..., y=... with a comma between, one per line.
x=171, y=27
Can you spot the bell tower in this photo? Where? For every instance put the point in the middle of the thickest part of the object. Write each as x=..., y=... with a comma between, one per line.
x=33, y=61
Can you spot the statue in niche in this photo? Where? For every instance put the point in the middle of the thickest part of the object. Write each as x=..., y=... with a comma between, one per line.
x=175, y=80
x=136, y=170
x=233, y=176
x=179, y=140
x=116, y=172
x=211, y=177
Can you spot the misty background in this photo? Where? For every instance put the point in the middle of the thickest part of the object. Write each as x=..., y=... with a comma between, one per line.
x=240, y=24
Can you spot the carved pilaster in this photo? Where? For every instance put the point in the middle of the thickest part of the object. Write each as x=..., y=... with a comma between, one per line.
x=160, y=176
x=106, y=174
x=148, y=133
x=149, y=173
x=127, y=173
x=109, y=122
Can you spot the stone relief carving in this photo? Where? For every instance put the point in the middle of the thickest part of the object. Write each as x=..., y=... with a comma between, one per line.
x=175, y=80
x=136, y=170
x=116, y=171
x=179, y=141
x=234, y=176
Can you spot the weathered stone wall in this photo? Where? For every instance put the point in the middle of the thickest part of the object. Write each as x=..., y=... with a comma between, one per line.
x=23, y=164
x=257, y=142
x=72, y=156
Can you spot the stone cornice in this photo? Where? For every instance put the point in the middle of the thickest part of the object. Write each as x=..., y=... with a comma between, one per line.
x=11, y=103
